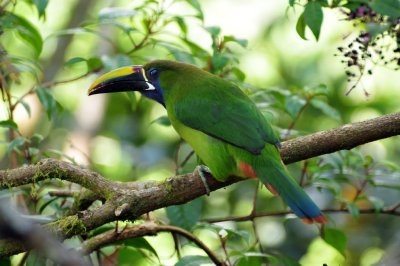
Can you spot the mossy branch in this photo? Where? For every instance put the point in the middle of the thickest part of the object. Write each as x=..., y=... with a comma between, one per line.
x=132, y=199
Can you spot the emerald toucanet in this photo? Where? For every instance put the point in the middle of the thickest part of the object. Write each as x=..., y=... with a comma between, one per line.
x=219, y=121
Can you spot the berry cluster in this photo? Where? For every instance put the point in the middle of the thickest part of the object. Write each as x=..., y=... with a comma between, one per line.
x=379, y=45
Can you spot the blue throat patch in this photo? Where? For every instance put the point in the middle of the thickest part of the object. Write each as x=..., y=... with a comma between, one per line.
x=156, y=95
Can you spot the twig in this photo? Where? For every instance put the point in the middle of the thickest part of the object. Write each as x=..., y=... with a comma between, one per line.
x=47, y=85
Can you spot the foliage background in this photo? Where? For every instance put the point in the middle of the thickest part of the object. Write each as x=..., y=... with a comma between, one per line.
x=299, y=84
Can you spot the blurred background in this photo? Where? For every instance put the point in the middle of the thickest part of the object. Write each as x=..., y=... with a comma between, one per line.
x=126, y=137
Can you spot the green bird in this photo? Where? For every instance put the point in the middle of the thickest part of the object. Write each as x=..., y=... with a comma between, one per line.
x=219, y=121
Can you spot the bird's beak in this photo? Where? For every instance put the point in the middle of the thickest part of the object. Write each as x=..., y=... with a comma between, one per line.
x=132, y=78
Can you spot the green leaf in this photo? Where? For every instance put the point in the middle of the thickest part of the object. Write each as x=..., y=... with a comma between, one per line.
x=181, y=23
x=60, y=153
x=271, y=258
x=9, y=124
x=326, y=108
x=219, y=60
x=26, y=106
x=313, y=90
x=193, y=261
x=214, y=30
x=293, y=104
x=25, y=29
x=162, y=120
x=141, y=243
x=5, y=262
x=41, y=6
x=179, y=54
x=115, y=12
x=301, y=27
x=39, y=219
x=18, y=141
x=74, y=60
x=242, y=42
x=378, y=203
x=47, y=100
x=195, y=4
x=94, y=63
x=291, y=3
x=185, y=215
x=376, y=28
x=387, y=7
x=313, y=17
x=336, y=239
x=127, y=256
x=354, y=210
x=115, y=61
x=240, y=75
x=287, y=261
x=72, y=31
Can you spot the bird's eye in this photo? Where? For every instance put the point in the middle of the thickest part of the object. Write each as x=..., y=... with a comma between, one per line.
x=153, y=72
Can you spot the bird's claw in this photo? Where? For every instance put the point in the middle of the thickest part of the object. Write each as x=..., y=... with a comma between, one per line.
x=202, y=169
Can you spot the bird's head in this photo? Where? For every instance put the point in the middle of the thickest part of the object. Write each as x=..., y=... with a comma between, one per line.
x=152, y=80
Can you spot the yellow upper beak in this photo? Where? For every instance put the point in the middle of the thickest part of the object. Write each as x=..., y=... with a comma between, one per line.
x=131, y=78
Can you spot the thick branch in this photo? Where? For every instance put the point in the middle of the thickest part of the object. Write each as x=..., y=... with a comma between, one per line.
x=344, y=137
x=145, y=229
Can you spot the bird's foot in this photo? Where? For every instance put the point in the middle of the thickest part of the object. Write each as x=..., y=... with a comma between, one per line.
x=202, y=169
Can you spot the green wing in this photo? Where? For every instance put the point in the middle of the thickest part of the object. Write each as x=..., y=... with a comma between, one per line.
x=221, y=110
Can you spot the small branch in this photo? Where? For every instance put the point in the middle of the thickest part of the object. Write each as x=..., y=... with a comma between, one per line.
x=252, y=216
x=145, y=229
x=48, y=85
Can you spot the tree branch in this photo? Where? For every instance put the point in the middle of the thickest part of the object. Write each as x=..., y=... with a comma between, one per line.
x=133, y=199
x=145, y=229
x=388, y=210
x=344, y=137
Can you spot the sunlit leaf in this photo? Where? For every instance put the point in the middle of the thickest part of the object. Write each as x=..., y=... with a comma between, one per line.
x=193, y=261
x=185, y=215
x=313, y=17
x=336, y=239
